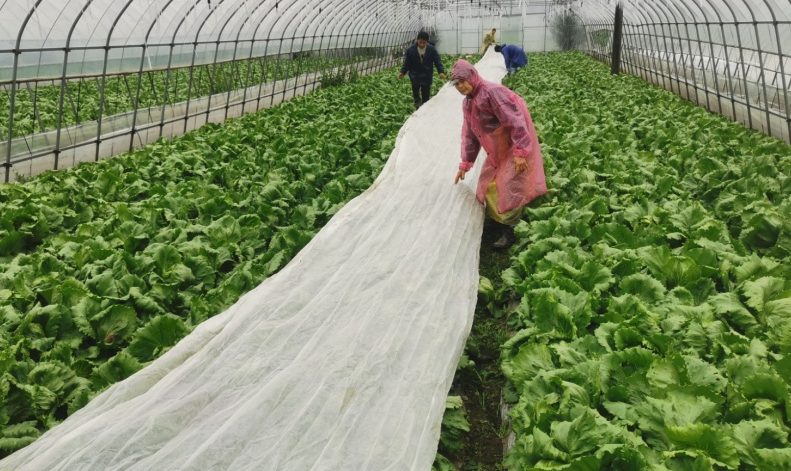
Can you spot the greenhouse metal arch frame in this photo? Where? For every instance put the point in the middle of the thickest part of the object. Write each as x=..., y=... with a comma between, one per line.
x=86, y=79
x=231, y=57
x=732, y=57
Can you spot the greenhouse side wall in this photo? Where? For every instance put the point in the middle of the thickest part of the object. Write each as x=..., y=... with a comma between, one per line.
x=741, y=71
x=81, y=81
x=209, y=92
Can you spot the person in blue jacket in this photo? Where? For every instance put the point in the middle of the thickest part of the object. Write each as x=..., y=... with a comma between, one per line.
x=420, y=60
x=514, y=56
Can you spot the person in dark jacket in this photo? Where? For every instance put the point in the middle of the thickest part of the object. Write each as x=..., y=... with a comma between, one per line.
x=420, y=60
x=514, y=56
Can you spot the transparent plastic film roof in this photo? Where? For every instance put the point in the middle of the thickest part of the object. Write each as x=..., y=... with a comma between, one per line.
x=701, y=19
x=37, y=33
x=85, y=23
x=40, y=31
x=688, y=11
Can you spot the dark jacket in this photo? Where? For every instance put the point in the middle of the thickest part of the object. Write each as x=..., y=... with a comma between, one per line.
x=514, y=56
x=422, y=71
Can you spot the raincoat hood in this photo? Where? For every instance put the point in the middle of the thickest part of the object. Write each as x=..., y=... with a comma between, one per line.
x=465, y=71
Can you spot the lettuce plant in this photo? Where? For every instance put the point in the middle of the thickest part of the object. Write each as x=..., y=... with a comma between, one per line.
x=654, y=323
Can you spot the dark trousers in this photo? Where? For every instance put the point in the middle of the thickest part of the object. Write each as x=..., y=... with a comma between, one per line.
x=418, y=90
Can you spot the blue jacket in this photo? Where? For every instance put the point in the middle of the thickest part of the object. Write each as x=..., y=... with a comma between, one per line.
x=422, y=72
x=514, y=56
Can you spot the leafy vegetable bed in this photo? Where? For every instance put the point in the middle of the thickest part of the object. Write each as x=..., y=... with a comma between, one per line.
x=653, y=283
x=106, y=266
x=36, y=109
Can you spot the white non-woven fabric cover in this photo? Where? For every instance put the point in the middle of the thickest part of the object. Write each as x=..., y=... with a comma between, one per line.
x=342, y=361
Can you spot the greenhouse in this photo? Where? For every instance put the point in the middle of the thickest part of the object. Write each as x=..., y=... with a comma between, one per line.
x=231, y=238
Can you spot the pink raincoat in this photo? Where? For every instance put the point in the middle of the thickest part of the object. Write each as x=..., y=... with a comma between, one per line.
x=497, y=119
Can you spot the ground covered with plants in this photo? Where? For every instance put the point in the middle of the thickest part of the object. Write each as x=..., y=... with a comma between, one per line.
x=650, y=291
x=642, y=321
x=105, y=266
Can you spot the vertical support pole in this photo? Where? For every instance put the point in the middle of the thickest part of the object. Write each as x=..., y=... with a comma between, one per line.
x=546, y=26
x=727, y=72
x=781, y=59
x=138, y=86
x=263, y=73
x=744, y=76
x=615, y=69
x=249, y=74
x=64, y=88
x=523, y=39
x=11, y=103
x=189, y=86
x=102, y=99
x=762, y=77
x=165, y=88
x=458, y=29
x=233, y=82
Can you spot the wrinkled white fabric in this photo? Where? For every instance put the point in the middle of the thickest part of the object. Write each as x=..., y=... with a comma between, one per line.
x=342, y=361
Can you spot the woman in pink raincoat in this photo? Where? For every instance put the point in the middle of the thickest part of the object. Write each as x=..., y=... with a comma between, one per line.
x=513, y=173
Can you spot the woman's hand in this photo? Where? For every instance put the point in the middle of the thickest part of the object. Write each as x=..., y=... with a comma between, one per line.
x=459, y=176
x=520, y=164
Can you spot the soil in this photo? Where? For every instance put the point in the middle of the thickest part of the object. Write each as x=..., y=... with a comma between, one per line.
x=480, y=387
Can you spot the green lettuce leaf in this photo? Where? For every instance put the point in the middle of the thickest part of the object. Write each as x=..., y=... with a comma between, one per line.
x=118, y=368
x=156, y=337
x=644, y=287
x=751, y=436
x=702, y=438
x=729, y=306
x=579, y=437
